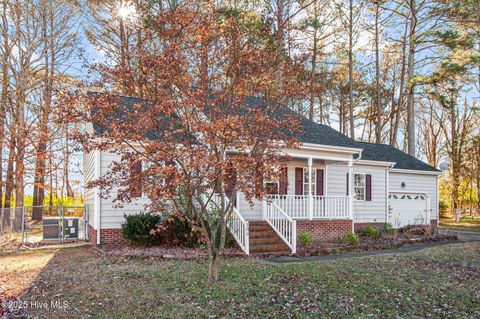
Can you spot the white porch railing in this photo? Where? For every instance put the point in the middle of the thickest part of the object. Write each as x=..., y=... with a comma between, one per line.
x=323, y=207
x=237, y=225
x=283, y=225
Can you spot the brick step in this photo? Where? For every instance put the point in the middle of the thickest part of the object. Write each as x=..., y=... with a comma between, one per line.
x=269, y=248
x=265, y=240
x=263, y=234
x=259, y=228
x=257, y=223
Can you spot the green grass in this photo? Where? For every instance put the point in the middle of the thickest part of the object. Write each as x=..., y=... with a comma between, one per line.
x=466, y=224
x=443, y=281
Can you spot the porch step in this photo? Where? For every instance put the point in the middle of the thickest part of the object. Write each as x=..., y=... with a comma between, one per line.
x=264, y=241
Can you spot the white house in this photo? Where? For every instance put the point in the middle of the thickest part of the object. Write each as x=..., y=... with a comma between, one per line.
x=335, y=185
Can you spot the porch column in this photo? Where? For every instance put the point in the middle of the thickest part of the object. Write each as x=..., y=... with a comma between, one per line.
x=237, y=202
x=350, y=189
x=310, y=195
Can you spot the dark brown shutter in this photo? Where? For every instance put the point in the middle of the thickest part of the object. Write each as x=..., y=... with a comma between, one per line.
x=368, y=187
x=283, y=183
x=230, y=179
x=320, y=179
x=259, y=187
x=298, y=181
x=348, y=181
x=136, y=179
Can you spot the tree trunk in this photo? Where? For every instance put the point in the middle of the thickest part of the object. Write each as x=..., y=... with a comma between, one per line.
x=4, y=94
x=20, y=146
x=40, y=162
x=9, y=182
x=378, y=125
x=393, y=140
x=313, y=77
x=454, y=158
x=411, y=86
x=350, y=70
x=213, y=267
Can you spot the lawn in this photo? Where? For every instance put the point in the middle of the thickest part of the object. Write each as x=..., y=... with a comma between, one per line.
x=443, y=281
x=466, y=224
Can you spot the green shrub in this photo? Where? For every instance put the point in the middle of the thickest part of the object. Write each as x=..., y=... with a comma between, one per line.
x=306, y=239
x=181, y=230
x=388, y=228
x=350, y=238
x=141, y=228
x=370, y=231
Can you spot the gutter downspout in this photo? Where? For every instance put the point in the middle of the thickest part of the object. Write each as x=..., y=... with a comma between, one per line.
x=97, y=203
x=387, y=191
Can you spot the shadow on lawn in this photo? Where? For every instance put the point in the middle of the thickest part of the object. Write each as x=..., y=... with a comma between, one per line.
x=23, y=288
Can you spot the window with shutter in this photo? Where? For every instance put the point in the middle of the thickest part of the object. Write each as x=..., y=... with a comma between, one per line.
x=368, y=187
x=320, y=182
x=298, y=180
x=136, y=179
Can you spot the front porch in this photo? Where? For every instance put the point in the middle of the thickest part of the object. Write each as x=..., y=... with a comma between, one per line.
x=314, y=195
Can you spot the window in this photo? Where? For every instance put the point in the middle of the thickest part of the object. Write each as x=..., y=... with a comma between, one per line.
x=306, y=181
x=271, y=188
x=359, y=186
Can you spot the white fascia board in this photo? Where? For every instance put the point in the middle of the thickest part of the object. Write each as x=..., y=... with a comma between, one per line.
x=412, y=171
x=319, y=157
x=375, y=163
x=323, y=147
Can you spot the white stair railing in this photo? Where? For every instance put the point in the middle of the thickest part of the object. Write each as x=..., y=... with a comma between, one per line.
x=282, y=224
x=237, y=225
x=324, y=207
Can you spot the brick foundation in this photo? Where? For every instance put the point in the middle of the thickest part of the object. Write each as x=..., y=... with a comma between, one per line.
x=359, y=226
x=324, y=230
x=107, y=236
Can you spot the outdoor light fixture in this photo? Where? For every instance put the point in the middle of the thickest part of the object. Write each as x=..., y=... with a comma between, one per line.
x=404, y=185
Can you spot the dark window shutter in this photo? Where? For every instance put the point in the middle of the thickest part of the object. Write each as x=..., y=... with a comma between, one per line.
x=348, y=188
x=283, y=183
x=259, y=187
x=230, y=179
x=368, y=187
x=320, y=178
x=298, y=181
x=136, y=179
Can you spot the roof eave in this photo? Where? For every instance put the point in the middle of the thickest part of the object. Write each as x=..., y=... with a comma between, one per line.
x=414, y=171
x=344, y=149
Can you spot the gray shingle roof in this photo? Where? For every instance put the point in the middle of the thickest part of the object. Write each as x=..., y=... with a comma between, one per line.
x=388, y=153
x=311, y=132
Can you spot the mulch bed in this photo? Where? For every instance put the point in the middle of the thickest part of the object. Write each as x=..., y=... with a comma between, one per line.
x=161, y=252
x=369, y=244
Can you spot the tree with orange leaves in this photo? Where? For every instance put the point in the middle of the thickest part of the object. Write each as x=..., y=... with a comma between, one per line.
x=213, y=122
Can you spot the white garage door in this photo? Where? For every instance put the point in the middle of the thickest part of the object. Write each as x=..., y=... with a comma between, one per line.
x=408, y=209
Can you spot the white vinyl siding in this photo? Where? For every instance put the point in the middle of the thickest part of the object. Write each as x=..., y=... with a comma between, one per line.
x=373, y=211
x=112, y=216
x=88, y=175
x=416, y=183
